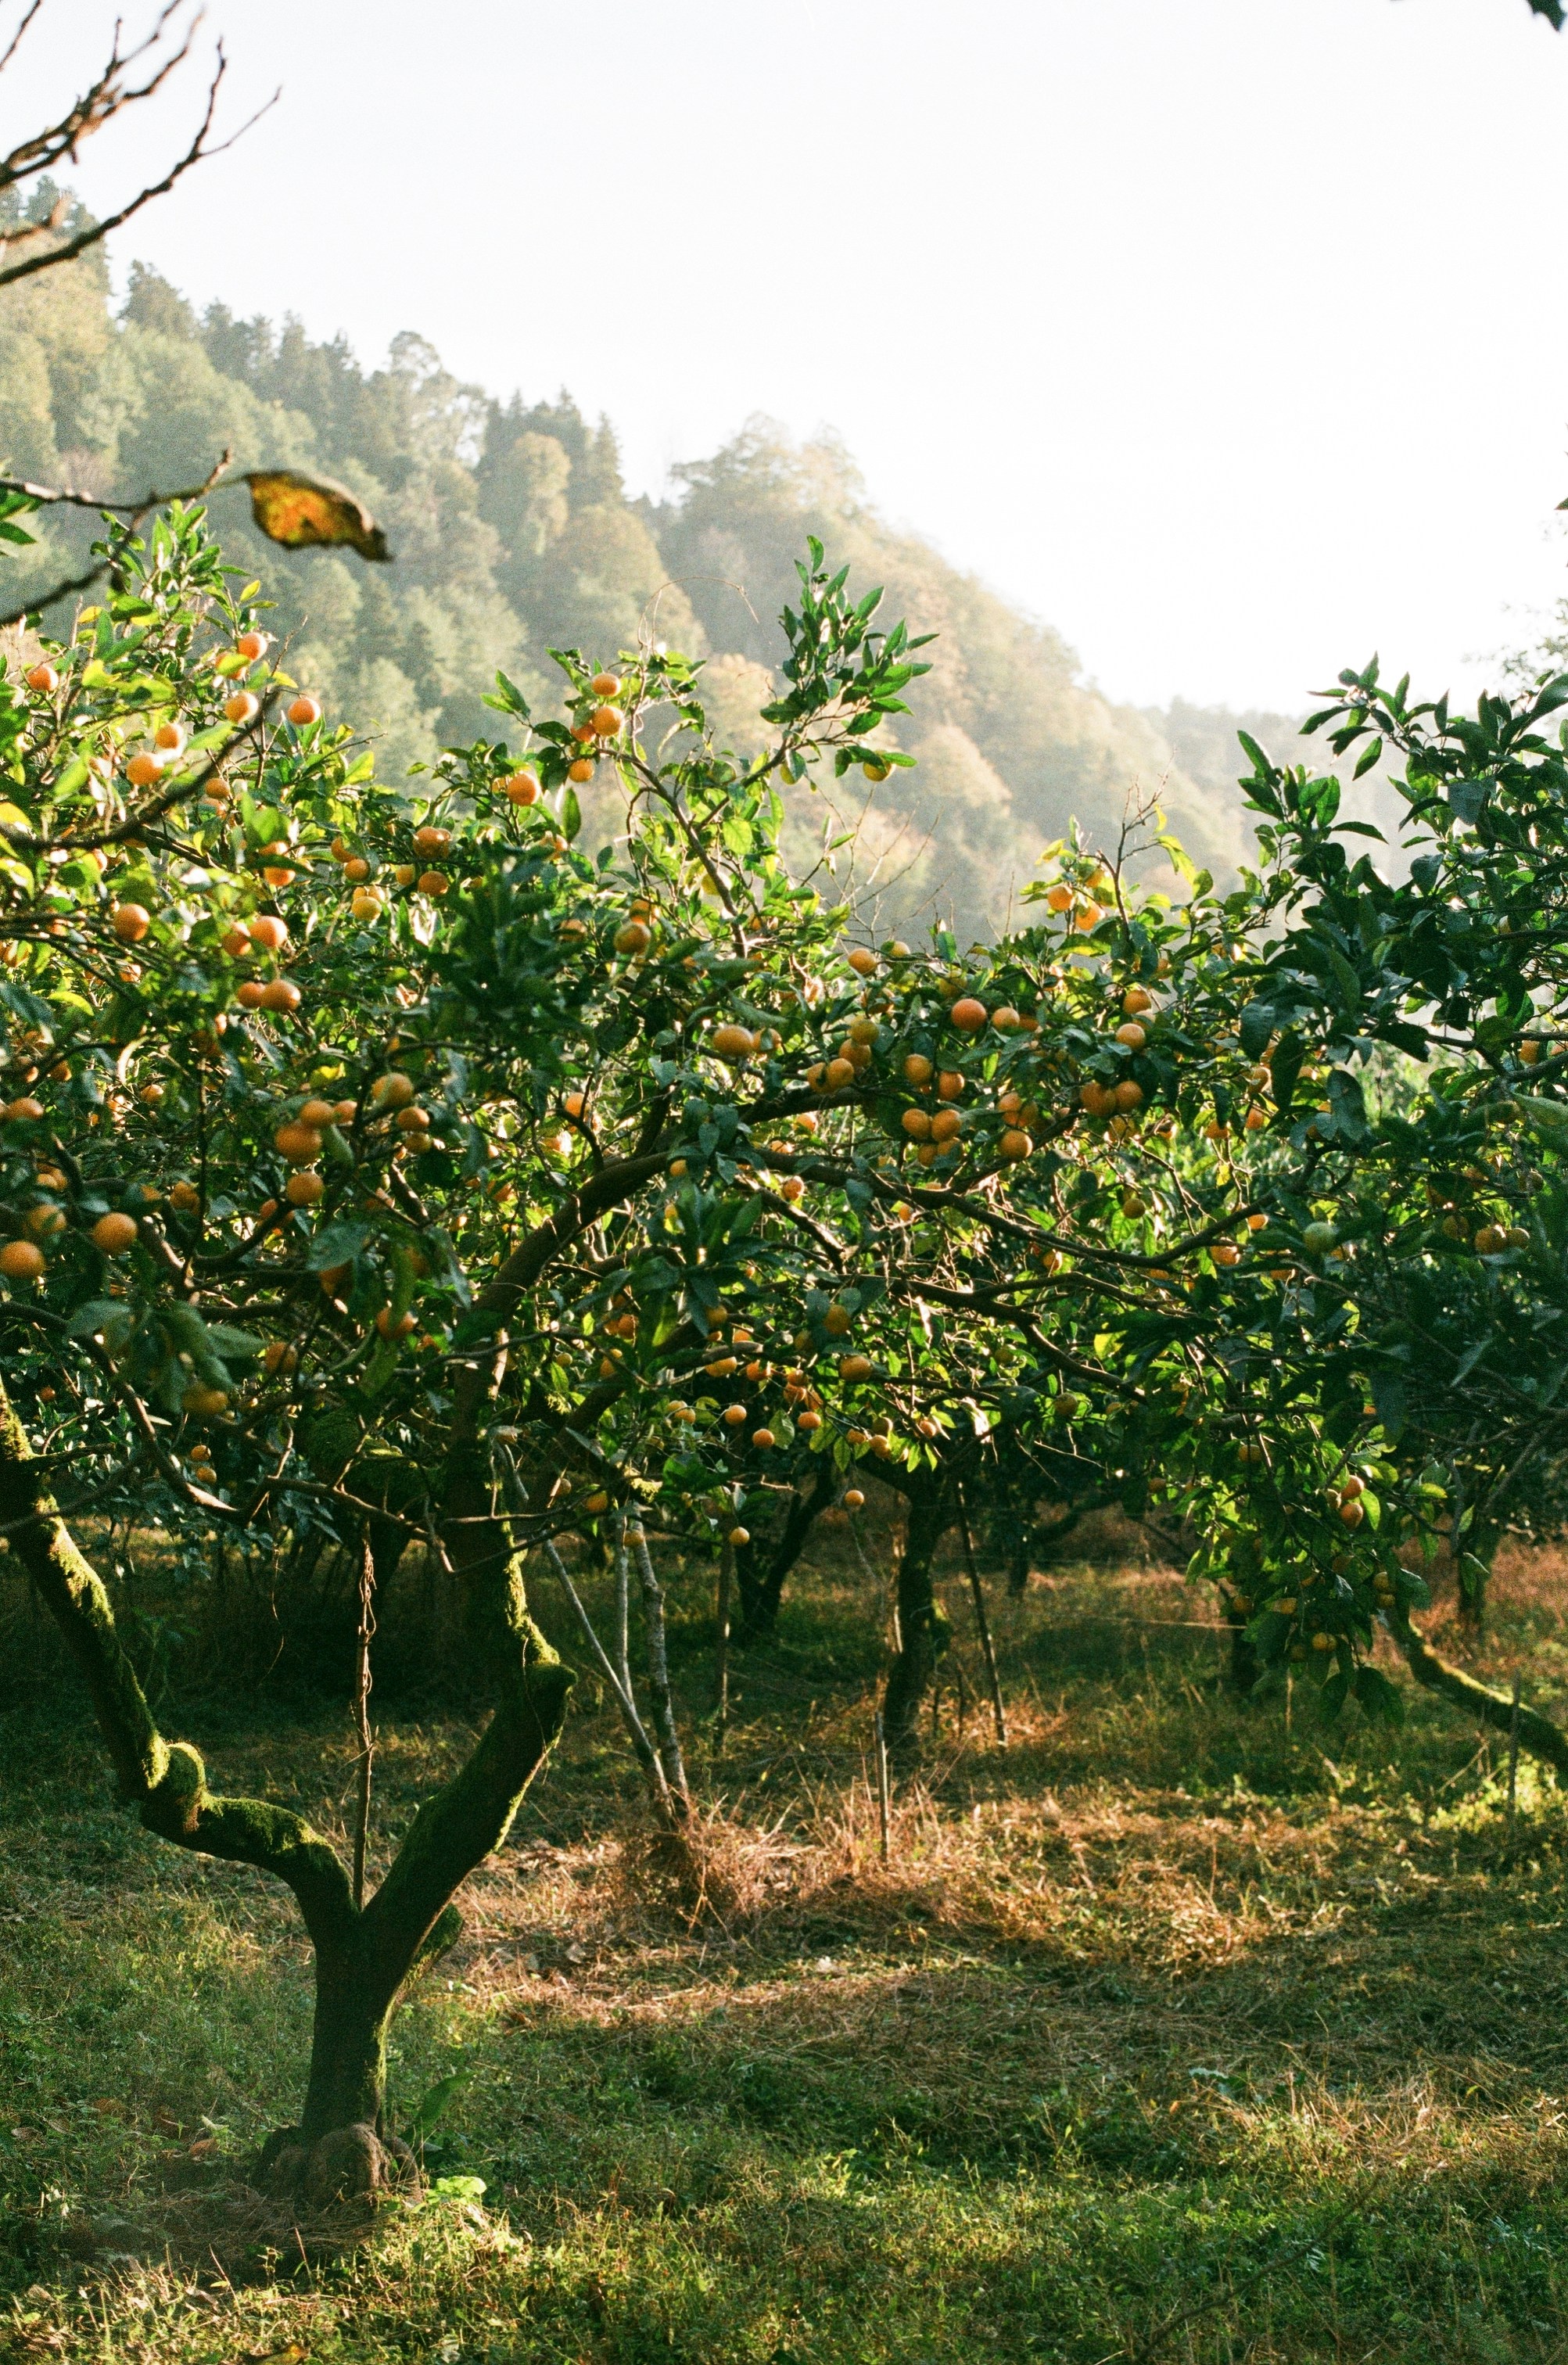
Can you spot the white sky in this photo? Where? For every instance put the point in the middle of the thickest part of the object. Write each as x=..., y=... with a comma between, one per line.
x=1215, y=334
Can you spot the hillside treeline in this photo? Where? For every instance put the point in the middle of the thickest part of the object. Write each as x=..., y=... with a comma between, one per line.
x=513, y=532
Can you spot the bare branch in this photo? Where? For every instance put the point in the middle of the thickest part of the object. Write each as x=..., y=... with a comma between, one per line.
x=15, y=43
x=197, y=152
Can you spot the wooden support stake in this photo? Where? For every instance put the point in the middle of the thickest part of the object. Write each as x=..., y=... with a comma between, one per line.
x=1514, y=1761
x=983, y=1623
x=726, y=1576
x=884, y=1799
x=362, y=1713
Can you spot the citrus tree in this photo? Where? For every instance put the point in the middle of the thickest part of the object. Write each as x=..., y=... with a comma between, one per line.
x=379, y=1155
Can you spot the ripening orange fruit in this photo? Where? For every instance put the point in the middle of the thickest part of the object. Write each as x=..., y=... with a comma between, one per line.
x=170, y=737
x=838, y=1075
x=1226, y=1252
x=243, y=707
x=917, y=1068
x=206, y=1404
x=303, y=710
x=947, y=1124
x=431, y=840
x=114, y=1234
x=433, y=882
x=297, y=1142
x=20, y=1261
x=854, y=1368
x=250, y=994
x=356, y=870
x=916, y=1123
x=949, y=1086
x=523, y=789
x=280, y=993
x=319, y=1113
x=1136, y=999
x=394, y=1326
x=185, y=1196
x=633, y=938
x=606, y=685
x=303, y=1189
x=42, y=679
x=863, y=962
x=144, y=769
x=130, y=922
x=277, y=1355
x=732, y=1042
x=268, y=931
x=1015, y=1144
x=1127, y=1096
x=969, y=1014
x=252, y=646
x=417, y=1120
x=1134, y=1035
x=763, y=1439
x=581, y=770
x=605, y=721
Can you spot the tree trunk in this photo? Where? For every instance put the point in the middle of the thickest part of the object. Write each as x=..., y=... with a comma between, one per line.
x=362, y=1958
x=761, y=1587
x=1537, y=1733
x=922, y=1624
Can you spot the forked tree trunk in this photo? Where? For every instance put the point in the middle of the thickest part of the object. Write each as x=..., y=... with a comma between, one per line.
x=341, y=2144
x=761, y=1583
x=923, y=1625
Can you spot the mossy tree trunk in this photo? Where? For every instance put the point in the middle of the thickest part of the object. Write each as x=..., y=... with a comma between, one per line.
x=362, y=1958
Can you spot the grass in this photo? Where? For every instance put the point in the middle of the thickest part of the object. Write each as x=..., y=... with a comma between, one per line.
x=1171, y=2033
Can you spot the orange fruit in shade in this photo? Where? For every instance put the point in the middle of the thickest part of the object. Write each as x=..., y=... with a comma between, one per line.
x=20, y=1261
x=394, y=1326
x=431, y=840
x=250, y=994
x=949, y=1086
x=303, y=710
x=1134, y=1035
x=319, y=1113
x=114, y=1234
x=809, y=1421
x=739, y=1536
x=278, y=1356
x=268, y=931
x=732, y=1042
x=969, y=1014
x=633, y=938
x=855, y=1367
x=762, y=1439
x=1137, y=998
x=1015, y=1144
x=205, y=1402
x=862, y=962
x=297, y=1142
x=433, y=882
x=917, y=1068
x=303, y=1189
x=42, y=679
x=279, y=994
x=947, y=1124
x=916, y=1124
x=130, y=922
x=597, y=1503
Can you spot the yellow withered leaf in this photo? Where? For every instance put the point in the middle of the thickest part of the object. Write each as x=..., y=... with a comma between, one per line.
x=312, y=512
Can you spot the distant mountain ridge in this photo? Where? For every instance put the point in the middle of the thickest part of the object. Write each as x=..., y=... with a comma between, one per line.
x=513, y=532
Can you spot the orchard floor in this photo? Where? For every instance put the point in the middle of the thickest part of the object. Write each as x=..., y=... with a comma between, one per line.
x=1172, y=2033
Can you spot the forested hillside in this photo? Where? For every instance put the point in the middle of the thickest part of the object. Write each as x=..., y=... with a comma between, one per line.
x=513, y=533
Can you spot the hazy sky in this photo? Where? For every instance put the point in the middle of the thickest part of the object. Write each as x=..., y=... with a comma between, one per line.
x=1224, y=335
